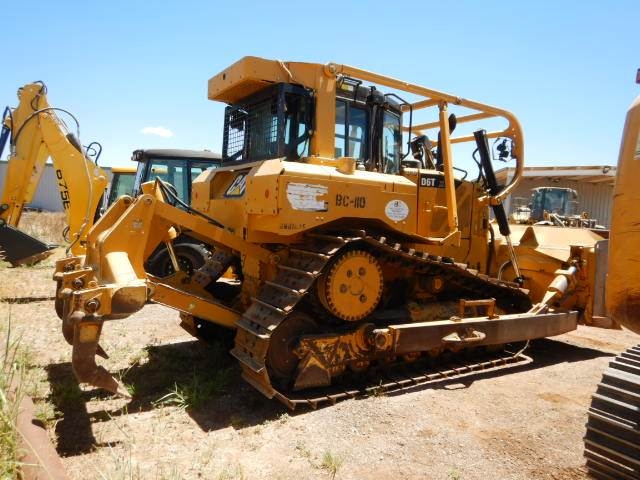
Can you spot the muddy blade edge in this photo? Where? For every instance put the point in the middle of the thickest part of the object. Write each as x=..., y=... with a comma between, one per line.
x=19, y=248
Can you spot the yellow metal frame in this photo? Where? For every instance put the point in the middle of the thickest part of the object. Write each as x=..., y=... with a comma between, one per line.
x=251, y=74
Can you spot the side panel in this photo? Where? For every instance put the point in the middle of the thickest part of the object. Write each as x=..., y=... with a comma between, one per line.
x=273, y=201
x=623, y=281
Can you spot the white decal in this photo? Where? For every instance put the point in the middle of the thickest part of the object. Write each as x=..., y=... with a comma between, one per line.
x=396, y=210
x=303, y=196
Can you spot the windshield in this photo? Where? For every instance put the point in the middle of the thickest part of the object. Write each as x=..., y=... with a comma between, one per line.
x=557, y=201
x=179, y=172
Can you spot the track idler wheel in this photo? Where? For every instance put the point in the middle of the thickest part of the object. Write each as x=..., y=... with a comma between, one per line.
x=282, y=360
x=352, y=287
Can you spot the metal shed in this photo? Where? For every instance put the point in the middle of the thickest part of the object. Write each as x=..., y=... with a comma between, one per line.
x=594, y=185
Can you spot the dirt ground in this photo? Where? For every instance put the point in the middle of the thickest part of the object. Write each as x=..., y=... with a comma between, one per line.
x=192, y=416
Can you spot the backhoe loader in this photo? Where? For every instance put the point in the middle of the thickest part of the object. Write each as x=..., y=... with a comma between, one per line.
x=35, y=133
x=179, y=168
x=350, y=255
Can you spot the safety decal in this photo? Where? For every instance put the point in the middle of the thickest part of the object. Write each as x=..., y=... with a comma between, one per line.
x=237, y=187
x=305, y=197
x=396, y=210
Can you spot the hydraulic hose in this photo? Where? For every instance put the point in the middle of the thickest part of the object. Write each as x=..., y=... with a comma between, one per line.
x=494, y=189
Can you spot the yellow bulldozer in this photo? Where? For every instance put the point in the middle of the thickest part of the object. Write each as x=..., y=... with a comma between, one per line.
x=337, y=250
x=612, y=441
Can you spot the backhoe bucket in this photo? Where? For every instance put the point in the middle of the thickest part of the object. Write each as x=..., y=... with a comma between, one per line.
x=19, y=248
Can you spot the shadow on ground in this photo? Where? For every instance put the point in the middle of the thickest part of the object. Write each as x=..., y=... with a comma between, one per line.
x=205, y=380
x=544, y=352
x=198, y=376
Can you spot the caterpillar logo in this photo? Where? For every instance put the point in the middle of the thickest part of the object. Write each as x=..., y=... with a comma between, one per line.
x=237, y=187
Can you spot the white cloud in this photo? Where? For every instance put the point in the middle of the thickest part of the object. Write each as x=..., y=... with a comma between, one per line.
x=158, y=131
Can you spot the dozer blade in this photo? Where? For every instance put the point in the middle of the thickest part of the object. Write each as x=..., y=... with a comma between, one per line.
x=19, y=248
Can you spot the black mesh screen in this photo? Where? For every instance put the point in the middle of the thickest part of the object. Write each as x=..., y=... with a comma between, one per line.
x=251, y=130
x=274, y=123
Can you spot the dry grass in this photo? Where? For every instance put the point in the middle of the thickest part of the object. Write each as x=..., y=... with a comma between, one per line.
x=12, y=372
x=45, y=226
x=14, y=362
x=34, y=281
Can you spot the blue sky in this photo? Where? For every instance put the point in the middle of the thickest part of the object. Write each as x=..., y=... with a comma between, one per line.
x=566, y=69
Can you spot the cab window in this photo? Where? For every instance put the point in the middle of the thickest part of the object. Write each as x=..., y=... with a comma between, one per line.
x=391, y=140
x=351, y=131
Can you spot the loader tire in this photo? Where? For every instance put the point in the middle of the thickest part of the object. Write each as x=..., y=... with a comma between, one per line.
x=191, y=256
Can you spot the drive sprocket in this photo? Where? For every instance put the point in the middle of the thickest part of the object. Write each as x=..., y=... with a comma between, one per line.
x=352, y=287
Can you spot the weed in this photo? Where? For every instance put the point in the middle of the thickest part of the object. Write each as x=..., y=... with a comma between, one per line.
x=66, y=393
x=122, y=465
x=198, y=390
x=141, y=357
x=237, y=421
x=231, y=472
x=283, y=418
x=453, y=474
x=12, y=373
x=302, y=449
x=171, y=475
x=331, y=463
x=379, y=390
x=46, y=413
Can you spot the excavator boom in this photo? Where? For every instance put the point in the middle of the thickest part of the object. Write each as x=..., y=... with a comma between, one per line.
x=36, y=133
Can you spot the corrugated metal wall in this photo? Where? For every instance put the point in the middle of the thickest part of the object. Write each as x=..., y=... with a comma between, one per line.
x=47, y=196
x=594, y=198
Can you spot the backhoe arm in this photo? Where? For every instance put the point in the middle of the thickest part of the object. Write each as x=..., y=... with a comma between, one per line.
x=36, y=133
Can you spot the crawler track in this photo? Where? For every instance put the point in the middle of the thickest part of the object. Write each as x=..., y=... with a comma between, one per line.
x=279, y=298
x=612, y=442
x=405, y=377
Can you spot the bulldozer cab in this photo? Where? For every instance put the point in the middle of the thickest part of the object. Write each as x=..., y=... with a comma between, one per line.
x=278, y=122
x=335, y=118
